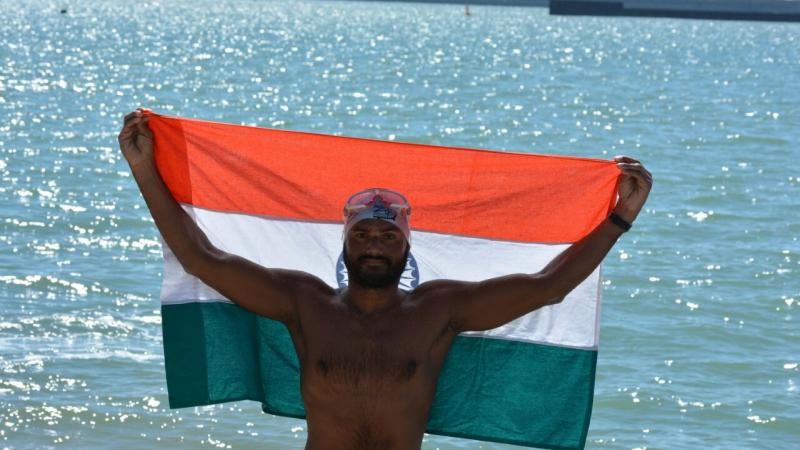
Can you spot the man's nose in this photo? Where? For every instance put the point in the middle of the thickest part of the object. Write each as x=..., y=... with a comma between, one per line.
x=374, y=245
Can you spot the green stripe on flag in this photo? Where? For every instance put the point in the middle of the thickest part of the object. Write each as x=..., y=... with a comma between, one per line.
x=489, y=389
x=515, y=392
x=210, y=354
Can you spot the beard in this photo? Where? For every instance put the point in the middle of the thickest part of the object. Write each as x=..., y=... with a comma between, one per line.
x=375, y=279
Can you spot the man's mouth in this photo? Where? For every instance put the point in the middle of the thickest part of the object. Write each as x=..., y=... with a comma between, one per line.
x=370, y=260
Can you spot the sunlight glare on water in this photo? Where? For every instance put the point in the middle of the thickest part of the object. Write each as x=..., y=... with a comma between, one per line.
x=700, y=333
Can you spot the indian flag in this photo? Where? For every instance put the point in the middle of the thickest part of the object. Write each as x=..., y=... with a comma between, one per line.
x=275, y=197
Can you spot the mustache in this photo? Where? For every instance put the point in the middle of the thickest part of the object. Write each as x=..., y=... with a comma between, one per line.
x=366, y=258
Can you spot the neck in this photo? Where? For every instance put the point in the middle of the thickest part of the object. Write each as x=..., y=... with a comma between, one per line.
x=368, y=301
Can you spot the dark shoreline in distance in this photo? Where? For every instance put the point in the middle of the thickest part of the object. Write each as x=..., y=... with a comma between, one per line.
x=765, y=10
x=755, y=10
x=541, y=3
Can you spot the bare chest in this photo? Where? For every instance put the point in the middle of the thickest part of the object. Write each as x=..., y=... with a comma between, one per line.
x=366, y=354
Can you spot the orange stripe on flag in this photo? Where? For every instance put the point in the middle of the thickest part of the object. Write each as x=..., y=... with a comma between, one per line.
x=307, y=176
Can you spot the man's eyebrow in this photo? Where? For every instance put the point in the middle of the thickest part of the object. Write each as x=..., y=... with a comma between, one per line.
x=383, y=228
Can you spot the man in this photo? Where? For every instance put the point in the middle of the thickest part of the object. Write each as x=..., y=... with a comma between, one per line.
x=370, y=354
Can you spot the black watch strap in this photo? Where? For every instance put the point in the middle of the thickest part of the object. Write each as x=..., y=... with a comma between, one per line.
x=620, y=222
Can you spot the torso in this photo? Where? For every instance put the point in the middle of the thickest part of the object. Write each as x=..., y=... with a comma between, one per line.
x=368, y=380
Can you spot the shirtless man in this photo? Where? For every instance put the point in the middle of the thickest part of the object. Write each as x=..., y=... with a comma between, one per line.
x=370, y=354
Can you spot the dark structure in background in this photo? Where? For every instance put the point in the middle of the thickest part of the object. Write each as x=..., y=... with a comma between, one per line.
x=769, y=10
x=478, y=2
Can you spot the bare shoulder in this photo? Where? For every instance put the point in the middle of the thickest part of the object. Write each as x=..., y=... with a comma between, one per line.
x=306, y=285
x=440, y=286
x=310, y=293
x=441, y=291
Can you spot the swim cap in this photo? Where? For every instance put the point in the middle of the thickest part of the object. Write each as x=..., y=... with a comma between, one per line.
x=378, y=203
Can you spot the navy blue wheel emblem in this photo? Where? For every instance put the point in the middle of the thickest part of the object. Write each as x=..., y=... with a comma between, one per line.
x=408, y=280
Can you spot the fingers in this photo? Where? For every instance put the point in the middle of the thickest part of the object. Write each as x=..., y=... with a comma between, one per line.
x=143, y=128
x=136, y=139
x=129, y=117
x=130, y=123
x=626, y=168
x=140, y=112
x=639, y=173
x=632, y=167
x=640, y=176
x=129, y=130
x=626, y=159
x=135, y=123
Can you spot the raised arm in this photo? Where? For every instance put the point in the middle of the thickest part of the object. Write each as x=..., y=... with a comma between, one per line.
x=268, y=292
x=494, y=302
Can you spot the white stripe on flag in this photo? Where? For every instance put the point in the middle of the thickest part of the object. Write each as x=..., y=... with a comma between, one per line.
x=316, y=247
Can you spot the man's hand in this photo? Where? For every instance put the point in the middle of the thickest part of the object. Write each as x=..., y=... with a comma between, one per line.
x=494, y=302
x=136, y=140
x=633, y=187
x=269, y=292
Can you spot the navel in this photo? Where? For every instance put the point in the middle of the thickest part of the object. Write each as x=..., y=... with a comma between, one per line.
x=323, y=367
x=407, y=371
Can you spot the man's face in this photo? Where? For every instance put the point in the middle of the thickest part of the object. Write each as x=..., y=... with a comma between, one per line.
x=375, y=254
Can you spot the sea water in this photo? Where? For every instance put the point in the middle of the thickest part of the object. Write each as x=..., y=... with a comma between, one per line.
x=700, y=336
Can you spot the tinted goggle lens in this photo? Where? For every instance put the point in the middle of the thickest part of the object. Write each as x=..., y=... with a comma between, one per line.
x=364, y=199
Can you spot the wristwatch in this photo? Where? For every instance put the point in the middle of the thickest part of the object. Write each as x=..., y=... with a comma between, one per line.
x=620, y=222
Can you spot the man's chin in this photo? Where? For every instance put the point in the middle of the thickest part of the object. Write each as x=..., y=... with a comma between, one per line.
x=375, y=277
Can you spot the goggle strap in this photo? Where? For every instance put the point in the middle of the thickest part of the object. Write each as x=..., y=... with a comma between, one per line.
x=401, y=208
x=396, y=206
x=355, y=207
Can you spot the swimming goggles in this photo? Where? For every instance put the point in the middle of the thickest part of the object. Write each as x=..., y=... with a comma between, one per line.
x=371, y=197
x=378, y=203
